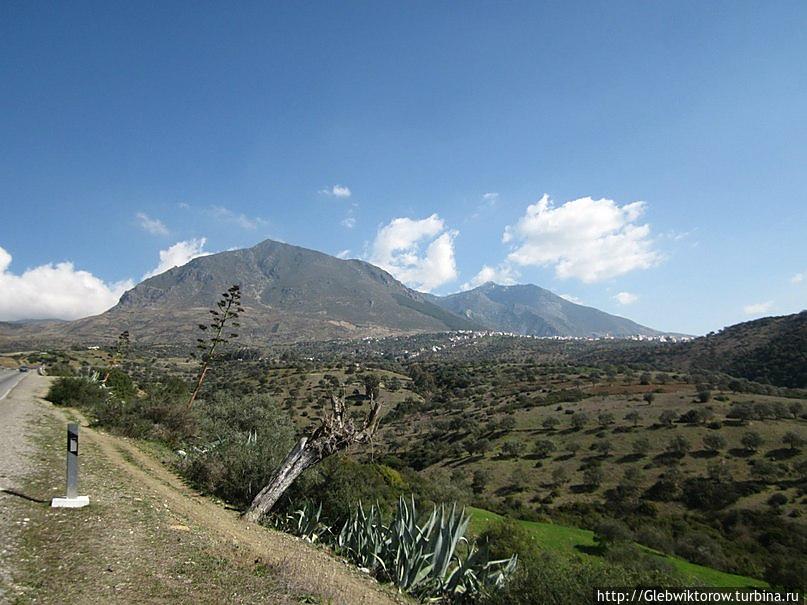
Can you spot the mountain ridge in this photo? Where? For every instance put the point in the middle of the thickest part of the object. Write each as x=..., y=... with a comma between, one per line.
x=292, y=294
x=531, y=310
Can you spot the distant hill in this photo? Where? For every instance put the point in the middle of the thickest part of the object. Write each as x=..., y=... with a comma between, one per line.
x=771, y=350
x=528, y=309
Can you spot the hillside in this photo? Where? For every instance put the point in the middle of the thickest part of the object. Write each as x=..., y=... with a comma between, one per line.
x=146, y=536
x=530, y=310
x=771, y=350
x=545, y=442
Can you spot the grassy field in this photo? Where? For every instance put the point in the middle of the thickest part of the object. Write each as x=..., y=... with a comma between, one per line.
x=572, y=541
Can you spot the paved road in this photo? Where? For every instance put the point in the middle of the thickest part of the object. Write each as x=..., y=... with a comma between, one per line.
x=8, y=380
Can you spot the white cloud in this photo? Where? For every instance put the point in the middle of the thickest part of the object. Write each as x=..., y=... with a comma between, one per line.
x=60, y=291
x=504, y=275
x=797, y=279
x=242, y=220
x=571, y=298
x=178, y=254
x=54, y=291
x=152, y=225
x=626, y=298
x=348, y=223
x=397, y=249
x=340, y=191
x=491, y=197
x=343, y=254
x=588, y=239
x=758, y=308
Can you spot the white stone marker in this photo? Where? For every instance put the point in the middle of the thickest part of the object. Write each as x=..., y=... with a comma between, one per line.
x=73, y=500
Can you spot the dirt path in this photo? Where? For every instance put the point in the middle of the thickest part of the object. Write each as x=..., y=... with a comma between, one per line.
x=147, y=537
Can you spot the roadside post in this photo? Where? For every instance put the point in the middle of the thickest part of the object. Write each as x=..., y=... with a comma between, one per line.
x=72, y=499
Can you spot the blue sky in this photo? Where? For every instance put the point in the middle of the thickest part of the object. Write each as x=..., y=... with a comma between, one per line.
x=128, y=130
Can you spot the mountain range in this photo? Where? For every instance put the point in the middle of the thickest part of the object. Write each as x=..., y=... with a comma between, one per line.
x=294, y=294
x=529, y=309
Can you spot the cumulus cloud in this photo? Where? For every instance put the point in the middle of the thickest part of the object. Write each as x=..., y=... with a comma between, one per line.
x=54, y=291
x=152, y=225
x=797, y=278
x=348, y=223
x=60, y=291
x=178, y=255
x=504, y=275
x=587, y=239
x=420, y=253
x=626, y=298
x=237, y=218
x=758, y=308
x=340, y=191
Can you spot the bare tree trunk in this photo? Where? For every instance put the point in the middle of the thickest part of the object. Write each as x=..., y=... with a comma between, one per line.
x=297, y=460
x=334, y=434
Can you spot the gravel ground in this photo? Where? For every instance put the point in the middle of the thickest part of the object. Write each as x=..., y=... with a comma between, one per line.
x=17, y=411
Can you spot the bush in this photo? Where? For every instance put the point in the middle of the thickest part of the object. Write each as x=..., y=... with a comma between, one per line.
x=752, y=441
x=714, y=442
x=611, y=531
x=241, y=442
x=551, y=579
x=593, y=477
x=508, y=536
x=342, y=482
x=705, y=494
x=679, y=446
x=544, y=447
x=120, y=384
x=76, y=392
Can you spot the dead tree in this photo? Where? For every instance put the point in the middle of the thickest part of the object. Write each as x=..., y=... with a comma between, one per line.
x=334, y=434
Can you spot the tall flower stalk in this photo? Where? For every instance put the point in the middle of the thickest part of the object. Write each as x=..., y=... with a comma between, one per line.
x=225, y=315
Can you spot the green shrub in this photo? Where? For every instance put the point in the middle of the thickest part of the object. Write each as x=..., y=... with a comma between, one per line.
x=76, y=392
x=120, y=384
x=549, y=579
x=241, y=442
x=342, y=481
x=508, y=536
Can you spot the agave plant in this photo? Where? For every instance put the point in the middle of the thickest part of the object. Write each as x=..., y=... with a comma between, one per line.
x=91, y=376
x=363, y=538
x=423, y=560
x=304, y=522
x=475, y=573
